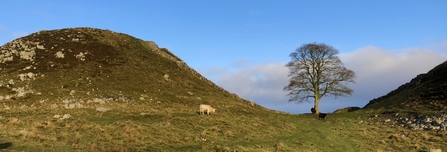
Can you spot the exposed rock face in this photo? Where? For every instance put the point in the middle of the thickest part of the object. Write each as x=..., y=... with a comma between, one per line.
x=25, y=50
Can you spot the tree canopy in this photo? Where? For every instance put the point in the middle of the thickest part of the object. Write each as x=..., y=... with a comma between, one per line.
x=316, y=71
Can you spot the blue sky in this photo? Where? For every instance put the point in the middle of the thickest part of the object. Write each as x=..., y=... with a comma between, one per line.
x=243, y=45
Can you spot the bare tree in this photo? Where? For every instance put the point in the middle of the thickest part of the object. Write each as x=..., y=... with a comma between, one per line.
x=315, y=72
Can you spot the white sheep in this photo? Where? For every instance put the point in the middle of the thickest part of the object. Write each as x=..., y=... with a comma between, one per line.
x=207, y=108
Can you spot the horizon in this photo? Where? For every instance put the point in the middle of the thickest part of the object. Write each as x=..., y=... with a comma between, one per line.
x=243, y=46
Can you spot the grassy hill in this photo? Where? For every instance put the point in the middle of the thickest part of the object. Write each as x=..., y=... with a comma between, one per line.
x=426, y=93
x=86, y=89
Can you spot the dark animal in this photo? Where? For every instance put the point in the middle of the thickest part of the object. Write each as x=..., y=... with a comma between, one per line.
x=321, y=116
x=313, y=110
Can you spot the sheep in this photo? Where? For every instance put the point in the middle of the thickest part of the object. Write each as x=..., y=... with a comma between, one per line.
x=321, y=116
x=207, y=108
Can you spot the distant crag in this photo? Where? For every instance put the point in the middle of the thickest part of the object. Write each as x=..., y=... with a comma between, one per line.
x=347, y=109
x=425, y=92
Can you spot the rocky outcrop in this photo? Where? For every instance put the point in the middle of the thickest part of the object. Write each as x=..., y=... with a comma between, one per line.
x=424, y=122
x=415, y=122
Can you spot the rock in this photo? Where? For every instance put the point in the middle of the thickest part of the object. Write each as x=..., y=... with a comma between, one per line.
x=66, y=116
x=73, y=105
x=102, y=109
x=435, y=150
x=435, y=127
x=428, y=120
x=438, y=121
x=72, y=92
x=59, y=54
x=80, y=56
x=166, y=76
x=402, y=120
x=40, y=47
x=56, y=116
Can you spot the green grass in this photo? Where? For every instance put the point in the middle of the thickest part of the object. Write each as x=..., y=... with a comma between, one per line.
x=126, y=129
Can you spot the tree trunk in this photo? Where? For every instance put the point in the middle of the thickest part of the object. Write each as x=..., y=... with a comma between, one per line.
x=316, y=102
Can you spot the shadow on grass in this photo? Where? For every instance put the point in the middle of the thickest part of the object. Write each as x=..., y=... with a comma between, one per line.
x=5, y=145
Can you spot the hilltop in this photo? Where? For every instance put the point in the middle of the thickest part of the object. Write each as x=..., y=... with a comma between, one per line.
x=76, y=65
x=426, y=92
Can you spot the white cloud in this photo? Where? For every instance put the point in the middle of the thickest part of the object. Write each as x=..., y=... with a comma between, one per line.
x=378, y=71
x=266, y=80
x=373, y=61
x=375, y=66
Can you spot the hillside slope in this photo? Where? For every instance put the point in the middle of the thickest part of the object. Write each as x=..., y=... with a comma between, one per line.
x=425, y=92
x=97, y=90
x=86, y=64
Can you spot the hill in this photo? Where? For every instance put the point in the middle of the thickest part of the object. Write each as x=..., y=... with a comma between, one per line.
x=77, y=69
x=86, y=89
x=81, y=64
x=425, y=93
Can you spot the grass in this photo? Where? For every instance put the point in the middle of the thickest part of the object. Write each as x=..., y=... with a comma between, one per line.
x=154, y=100
x=126, y=129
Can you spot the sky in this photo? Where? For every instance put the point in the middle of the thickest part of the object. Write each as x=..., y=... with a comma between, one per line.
x=243, y=45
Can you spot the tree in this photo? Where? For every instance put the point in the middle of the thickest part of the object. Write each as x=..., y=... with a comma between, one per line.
x=316, y=71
